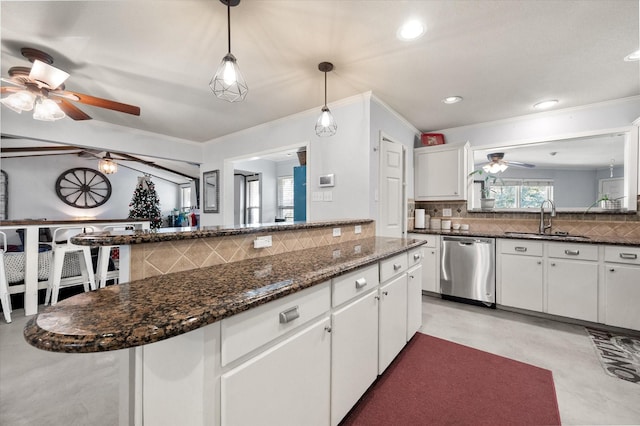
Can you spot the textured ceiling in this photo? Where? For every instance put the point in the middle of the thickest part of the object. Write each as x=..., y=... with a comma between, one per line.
x=501, y=56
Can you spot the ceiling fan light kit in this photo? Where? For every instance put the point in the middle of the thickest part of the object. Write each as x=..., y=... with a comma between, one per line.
x=326, y=125
x=47, y=110
x=107, y=166
x=228, y=82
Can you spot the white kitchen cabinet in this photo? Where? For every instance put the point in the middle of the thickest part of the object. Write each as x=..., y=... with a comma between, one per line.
x=430, y=261
x=414, y=300
x=354, y=345
x=392, y=320
x=288, y=384
x=622, y=287
x=519, y=275
x=440, y=173
x=572, y=281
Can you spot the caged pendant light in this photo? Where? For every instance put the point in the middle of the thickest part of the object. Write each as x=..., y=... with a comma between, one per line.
x=326, y=125
x=228, y=83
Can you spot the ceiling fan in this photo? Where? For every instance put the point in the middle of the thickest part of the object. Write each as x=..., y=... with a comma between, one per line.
x=497, y=163
x=34, y=88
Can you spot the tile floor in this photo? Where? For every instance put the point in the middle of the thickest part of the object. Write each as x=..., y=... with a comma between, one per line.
x=38, y=387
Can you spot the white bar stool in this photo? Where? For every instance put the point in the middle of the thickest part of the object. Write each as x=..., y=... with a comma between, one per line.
x=102, y=268
x=59, y=252
x=4, y=284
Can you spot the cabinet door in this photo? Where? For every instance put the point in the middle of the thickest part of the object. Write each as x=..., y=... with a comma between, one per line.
x=287, y=384
x=622, y=292
x=431, y=270
x=439, y=174
x=392, y=320
x=414, y=300
x=521, y=282
x=573, y=289
x=354, y=338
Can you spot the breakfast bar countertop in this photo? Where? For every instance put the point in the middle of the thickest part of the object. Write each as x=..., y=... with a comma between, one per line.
x=160, y=307
x=116, y=238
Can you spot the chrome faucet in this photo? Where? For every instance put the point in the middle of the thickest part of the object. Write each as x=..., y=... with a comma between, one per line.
x=543, y=227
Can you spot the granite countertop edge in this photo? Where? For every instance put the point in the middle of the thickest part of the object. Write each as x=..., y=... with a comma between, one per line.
x=150, y=236
x=54, y=329
x=590, y=239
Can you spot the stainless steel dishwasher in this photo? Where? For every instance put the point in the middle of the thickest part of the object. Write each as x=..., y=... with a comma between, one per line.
x=467, y=269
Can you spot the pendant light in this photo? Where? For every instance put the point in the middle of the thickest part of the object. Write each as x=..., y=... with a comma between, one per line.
x=228, y=83
x=107, y=165
x=326, y=124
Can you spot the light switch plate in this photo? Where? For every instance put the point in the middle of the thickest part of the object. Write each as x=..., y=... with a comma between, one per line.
x=263, y=242
x=328, y=195
x=446, y=212
x=337, y=232
x=316, y=196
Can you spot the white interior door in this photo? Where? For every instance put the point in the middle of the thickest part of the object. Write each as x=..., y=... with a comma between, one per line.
x=392, y=189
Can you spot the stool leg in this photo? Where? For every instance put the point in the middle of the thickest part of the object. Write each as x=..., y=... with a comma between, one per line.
x=5, y=299
x=88, y=264
x=56, y=277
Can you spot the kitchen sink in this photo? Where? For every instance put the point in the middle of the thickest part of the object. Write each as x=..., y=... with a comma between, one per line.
x=559, y=237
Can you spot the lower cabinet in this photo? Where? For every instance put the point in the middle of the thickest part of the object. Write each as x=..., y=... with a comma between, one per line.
x=430, y=261
x=354, y=345
x=414, y=300
x=288, y=384
x=392, y=322
x=622, y=287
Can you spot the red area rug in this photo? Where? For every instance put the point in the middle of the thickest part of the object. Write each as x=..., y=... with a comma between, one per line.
x=437, y=382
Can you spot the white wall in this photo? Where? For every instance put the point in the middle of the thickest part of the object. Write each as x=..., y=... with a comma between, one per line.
x=32, y=191
x=346, y=155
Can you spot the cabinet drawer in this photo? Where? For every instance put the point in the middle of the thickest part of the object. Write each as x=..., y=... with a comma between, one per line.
x=573, y=251
x=249, y=330
x=415, y=257
x=393, y=266
x=347, y=286
x=620, y=254
x=522, y=247
x=432, y=241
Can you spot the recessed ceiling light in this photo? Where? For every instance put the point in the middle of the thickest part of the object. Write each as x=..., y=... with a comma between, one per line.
x=631, y=57
x=452, y=99
x=545, y=104
x=411, y=30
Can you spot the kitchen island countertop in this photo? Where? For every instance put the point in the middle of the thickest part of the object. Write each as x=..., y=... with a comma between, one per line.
x=160, y=307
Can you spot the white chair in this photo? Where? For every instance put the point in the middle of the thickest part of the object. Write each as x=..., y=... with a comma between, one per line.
x=102, y=268
x=4, y=286
x=60, y=250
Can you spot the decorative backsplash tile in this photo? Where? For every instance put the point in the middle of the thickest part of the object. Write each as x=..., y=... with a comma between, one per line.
x=152, y=259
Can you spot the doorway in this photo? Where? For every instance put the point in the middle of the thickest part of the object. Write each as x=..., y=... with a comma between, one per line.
x=247, y=203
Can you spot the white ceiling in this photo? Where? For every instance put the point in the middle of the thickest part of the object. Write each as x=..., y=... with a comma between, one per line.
x=501, y=56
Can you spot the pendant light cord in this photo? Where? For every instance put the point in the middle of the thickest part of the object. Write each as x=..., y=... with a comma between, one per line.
x=229, y=24
x=325, y=88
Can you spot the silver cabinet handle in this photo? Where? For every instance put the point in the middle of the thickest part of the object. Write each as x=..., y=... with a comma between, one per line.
x=397, y=266
x=572, y=252
x=520, y=249
x=612, y=270
x=385, y=293
x=628, y=256
x=411, y=276
x=361, y=282
x=539, y=262
x=327, y=329
x=289, y=315
x=416, y=256
x=553, y=264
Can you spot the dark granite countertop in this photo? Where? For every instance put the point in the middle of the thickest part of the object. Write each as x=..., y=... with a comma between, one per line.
x=116, y=238
x=157, y=308
x=585, y=239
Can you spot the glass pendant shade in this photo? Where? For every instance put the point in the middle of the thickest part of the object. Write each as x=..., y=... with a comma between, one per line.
x=48, y=110
x=326, y=124
x=228, y=82
x=19, y=101
x=494, y=167
x=107, y=165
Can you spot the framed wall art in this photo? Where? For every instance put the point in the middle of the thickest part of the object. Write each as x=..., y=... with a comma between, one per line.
x=211, y=191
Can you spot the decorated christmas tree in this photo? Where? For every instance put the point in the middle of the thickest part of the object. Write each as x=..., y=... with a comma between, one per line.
x=145, y=203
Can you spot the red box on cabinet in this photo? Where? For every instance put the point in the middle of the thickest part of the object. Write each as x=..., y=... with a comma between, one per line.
x=429, y=139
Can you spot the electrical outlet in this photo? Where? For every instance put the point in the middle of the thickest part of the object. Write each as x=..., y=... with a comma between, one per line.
x=336, y=254
x=263, y=242
x=446, y=212
x=358, y=229
x=337, y=232
x=357, y=249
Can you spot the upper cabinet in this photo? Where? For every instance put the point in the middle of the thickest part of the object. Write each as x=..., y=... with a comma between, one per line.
x=440, y=172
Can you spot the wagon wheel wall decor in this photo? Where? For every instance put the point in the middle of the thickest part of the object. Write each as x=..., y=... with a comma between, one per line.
x=83, y=188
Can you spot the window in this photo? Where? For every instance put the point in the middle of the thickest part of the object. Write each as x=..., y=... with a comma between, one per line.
x=285, y=198
x=522, y=193
x=185, y=197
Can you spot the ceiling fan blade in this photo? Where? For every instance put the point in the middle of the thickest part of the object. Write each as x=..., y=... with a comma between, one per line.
x=12, y=82
x=73, y=111
x=5, y=89
x=104, y=103
x=519, y=164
